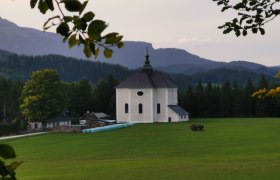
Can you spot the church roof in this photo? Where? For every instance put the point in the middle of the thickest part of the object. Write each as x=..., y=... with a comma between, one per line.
x=178, y=110
x=147, y=78
x=144, y=80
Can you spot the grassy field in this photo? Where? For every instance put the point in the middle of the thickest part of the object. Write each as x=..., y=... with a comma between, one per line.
x=228, y=149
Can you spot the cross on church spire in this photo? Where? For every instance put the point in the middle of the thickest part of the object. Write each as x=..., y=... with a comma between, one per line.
x=147, y=66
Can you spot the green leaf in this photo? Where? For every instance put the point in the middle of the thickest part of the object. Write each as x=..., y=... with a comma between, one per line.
x=63, y=29
x=83, y=7
x=92, y=47
x=88, y=16
x=120, y=44
x=262, y=31
x=225, y=8
x=250, y=21
x=119, y=38
x=111, y=38
x=7, y=151
x=73, y=41
x=33, y=3
x=96, y=27
x=108, y=53
x=87, y=51
x=72, y=5
x=228, y=30
x=14, y=165
x=43, y=6
x=81, y=24
x=254, y=30
x=237, y=32
x=50, y=4
x=67, y=18
x=252, y=3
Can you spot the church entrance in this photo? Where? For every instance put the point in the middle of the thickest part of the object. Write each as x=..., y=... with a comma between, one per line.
x=169, y=119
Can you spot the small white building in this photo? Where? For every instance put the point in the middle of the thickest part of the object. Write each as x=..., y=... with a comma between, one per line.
x=148, y=96
x=50, y=124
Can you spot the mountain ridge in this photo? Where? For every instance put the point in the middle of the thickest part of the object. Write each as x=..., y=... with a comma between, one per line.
x=14, y=66
x=22, y=40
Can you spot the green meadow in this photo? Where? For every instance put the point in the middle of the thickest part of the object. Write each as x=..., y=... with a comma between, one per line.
x=227, y=149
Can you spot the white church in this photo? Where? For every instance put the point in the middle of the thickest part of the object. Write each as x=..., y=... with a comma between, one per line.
x=148, y=97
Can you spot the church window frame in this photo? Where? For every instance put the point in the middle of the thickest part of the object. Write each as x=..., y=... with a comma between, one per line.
x=140, y=93
x=158, y=108
x=140, y=108
x=126, y=108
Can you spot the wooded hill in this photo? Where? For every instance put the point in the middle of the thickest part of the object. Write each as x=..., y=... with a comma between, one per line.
x=19, y=67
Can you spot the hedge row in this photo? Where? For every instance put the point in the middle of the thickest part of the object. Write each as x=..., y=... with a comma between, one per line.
x=8, y=129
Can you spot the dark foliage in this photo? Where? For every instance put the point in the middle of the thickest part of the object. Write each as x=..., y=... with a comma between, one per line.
x=251, y=15
x=19, y=67
x=228, y=100
x=197, y=127
x=8, y=129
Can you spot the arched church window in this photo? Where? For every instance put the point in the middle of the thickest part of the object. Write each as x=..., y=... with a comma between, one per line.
x=158, y=108
x=140, y=93
x=126, y=108
x=140, y=107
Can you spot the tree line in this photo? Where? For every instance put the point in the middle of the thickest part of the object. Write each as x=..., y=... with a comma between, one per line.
x=201, y=100
x=229, y=100
x=78, y=97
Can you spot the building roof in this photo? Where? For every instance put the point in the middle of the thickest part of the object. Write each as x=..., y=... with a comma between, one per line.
x=143, y=80
x=178, y=110
x=147, y=78
x=101, y=115
x=88, y=116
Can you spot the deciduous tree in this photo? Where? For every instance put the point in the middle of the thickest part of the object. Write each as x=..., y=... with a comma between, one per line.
x=42, y=96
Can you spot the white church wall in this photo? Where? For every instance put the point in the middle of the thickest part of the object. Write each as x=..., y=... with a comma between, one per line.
x=146, y=101
x=174, y=117
x=172, y=96
x=160, y=96
x=185, y=118
x=122, y=97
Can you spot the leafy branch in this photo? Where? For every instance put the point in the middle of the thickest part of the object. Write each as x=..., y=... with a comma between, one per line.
x=252, y=15
x=7, y=152
x=273, y=92
x=79, y=28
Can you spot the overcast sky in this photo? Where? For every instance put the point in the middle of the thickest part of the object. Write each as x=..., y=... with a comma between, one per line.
x=186, y=24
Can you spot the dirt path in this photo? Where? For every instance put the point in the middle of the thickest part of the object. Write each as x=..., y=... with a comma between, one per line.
x=24, y=135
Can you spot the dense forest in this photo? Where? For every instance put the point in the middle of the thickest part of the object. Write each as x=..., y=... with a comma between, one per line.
x=229, y=100
x=90, y=86
x=201, y=100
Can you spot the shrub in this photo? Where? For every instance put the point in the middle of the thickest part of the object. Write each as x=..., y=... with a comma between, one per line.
x=197, y=127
